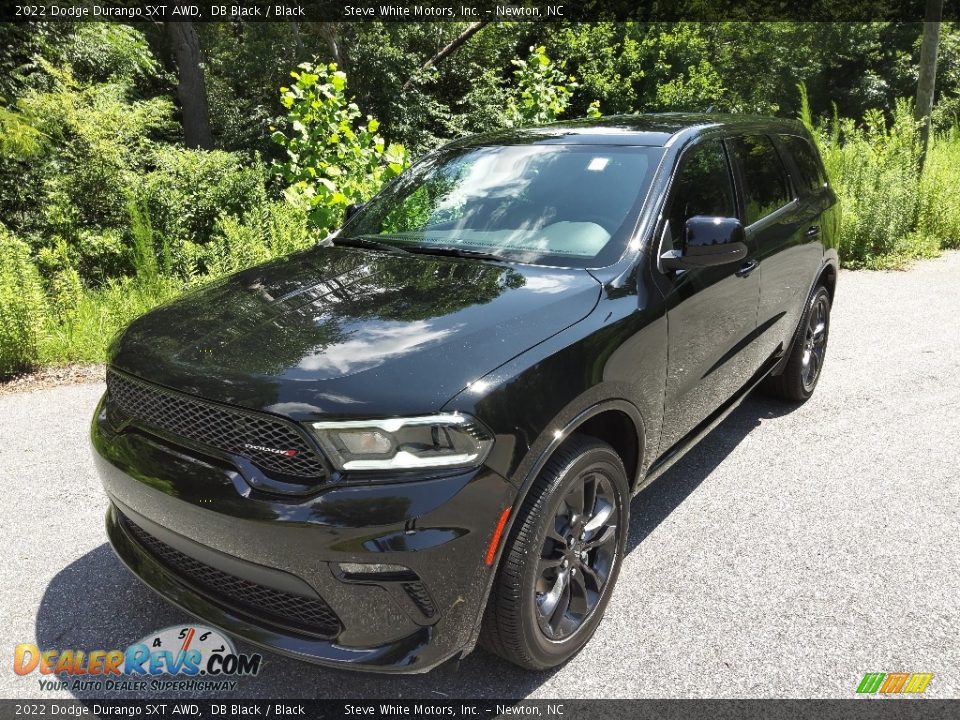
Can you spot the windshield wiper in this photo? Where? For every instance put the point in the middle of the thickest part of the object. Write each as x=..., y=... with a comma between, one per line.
x=362, y=242
x=453, y=252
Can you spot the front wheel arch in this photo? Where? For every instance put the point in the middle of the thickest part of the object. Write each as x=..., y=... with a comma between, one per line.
x=559, y=437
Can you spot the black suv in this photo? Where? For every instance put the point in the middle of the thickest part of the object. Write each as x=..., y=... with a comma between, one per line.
x=425, y=432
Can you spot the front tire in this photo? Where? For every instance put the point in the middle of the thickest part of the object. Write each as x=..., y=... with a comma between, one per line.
x=802, y=372
x=562, y=558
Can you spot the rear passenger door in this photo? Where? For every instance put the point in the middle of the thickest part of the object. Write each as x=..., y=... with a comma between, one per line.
x=782, y=229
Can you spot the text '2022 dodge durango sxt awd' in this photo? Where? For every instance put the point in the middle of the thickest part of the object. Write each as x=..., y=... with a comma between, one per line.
x=425, y=432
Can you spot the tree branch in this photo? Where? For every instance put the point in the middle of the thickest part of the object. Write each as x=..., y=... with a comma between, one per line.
x=447, y=50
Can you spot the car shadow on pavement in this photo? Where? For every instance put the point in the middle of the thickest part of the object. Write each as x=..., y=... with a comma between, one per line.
x=94, y=603
x=654, y=503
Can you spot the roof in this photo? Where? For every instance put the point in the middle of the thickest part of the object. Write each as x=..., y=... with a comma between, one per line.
x=654, y=129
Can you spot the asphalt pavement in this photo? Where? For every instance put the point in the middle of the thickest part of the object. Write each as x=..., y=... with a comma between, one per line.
x=792, y=551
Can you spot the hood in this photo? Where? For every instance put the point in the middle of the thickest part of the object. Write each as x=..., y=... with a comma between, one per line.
x=337, y=331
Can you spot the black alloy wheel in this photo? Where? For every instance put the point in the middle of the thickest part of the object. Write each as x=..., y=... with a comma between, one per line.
x=805, y=364
x=815, y=340
x=577, y=556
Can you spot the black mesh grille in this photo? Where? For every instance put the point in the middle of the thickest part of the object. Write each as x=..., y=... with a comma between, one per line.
x=216, y=426
x=421, y=598
x=308, y=613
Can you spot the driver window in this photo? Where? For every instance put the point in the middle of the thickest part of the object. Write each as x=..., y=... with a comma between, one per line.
x=702, y=187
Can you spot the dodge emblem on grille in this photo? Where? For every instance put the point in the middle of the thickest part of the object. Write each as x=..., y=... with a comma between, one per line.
x=260, y=448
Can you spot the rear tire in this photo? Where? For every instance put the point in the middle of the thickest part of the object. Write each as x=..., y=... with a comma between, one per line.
x=802, y=372
x=562, y=558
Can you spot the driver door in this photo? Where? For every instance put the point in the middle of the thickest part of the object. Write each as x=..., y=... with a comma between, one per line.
x=712, y=311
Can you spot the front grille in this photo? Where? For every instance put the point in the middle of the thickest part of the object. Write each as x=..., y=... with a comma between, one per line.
x=219, y=427
x=310, y=614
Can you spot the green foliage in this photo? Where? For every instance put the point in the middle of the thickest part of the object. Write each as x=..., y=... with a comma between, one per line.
x=23, y=307
x=18, y=138
x=876, y=173
x=109, y=51
x=541, y=92
x=278, y=228
x=145, y=265
x=332, y=159
x=83, y=332
x=891, y=213
x=939, y=196
x=95, y=139
x=186, y=191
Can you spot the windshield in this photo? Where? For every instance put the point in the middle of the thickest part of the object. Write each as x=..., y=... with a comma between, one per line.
x=568, y=205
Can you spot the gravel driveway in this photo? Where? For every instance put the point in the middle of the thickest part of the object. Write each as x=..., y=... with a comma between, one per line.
x=787, y=555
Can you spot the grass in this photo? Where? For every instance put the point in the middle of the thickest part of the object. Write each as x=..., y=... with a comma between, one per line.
x=85, y=331
x=892, y=211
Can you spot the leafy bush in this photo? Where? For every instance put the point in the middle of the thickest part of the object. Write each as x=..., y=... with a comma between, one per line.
x=542, y=90
x=891, y=212
x=23, y=308
x=333, y=158
x=876, y=171
x=96, y=141
x=186, y=191
x=278, y=228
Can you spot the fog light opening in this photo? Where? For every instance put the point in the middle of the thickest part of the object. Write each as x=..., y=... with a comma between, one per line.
x=375, y=571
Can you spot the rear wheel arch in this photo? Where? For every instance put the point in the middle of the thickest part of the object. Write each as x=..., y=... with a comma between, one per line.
x=828, y=278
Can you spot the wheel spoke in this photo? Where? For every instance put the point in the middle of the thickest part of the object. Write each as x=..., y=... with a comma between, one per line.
x=594, y=577
x=545, y=564
x=575, y=502
x=602, y=512
x=814, y=365
x=579, y=602
x=550, y=600
x=608, y=535
x=560, y=609
x=554, y=534
x=591, y=494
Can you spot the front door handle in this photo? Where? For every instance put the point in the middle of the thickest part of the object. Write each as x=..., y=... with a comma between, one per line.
x=748, y=267
x=813, y=231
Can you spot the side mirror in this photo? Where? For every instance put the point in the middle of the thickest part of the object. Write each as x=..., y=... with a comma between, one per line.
x=352, y=210
x=707, y=242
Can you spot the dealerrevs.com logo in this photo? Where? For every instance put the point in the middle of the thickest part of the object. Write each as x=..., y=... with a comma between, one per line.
x=894, y=683
x=178, y=658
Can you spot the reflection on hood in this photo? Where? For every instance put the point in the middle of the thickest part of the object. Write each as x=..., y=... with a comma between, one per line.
x=334, y=328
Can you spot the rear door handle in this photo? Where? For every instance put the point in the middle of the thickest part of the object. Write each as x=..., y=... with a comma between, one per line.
x=813, y=231
x=748, y=267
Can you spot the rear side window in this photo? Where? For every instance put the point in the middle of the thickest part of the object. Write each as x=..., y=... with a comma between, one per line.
x=805, y=157
x=702, y=187
x=765, y=182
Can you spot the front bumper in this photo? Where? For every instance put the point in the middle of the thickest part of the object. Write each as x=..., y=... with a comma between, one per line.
x=190, y=529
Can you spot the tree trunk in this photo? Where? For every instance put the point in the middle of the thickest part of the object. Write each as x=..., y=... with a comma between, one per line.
x=928, y=71
x=191, y=88
x=330, y=32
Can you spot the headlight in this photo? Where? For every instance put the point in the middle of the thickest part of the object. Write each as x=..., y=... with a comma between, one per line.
x=433, y=441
